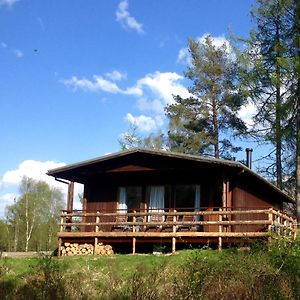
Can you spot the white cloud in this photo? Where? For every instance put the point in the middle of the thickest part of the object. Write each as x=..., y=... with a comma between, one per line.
x=116, y=75
x=7, y=198
x=143, y=123
x=153, y=91
x=100, y=84
x=247, y=112
x=155, y=105
x=164, y=86
x=97, y=84
x=161, y=85
x=127, y=21
x=8, y=3
x=18, y=53
x=36, y=170
x=33, y=169
x=217, y=41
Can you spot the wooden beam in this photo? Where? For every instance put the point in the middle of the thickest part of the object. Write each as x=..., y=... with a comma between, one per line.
x=161, y=234
x=239, y=222
x=224, y=191
x=70, y=198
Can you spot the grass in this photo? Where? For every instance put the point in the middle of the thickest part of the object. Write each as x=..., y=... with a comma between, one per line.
x=261, y=273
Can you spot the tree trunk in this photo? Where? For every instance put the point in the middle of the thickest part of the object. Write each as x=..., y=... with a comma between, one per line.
x=16, y=235
x=278, y=134
x=27, y=222
x=278, y=115
x=215, y=129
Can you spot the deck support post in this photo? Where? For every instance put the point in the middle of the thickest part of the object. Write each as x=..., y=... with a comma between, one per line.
x=173, y=245
x=133, y=245
x=70, y=200
x=70, y=196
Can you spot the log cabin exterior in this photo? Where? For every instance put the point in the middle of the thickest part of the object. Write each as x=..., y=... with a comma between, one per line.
x=143, y=197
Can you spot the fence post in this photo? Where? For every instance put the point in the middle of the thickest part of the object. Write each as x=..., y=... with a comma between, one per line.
x=96, y=230
x=174, y=231
x=270, y=218
x=133, y=230
x=61, y=222
x=220, y=230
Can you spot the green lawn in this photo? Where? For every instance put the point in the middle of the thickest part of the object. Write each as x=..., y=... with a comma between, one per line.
x=261, y=273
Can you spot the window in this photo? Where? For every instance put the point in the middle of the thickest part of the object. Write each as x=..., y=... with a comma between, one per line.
x=130, y=197
x=187, y=196
x=157, y=197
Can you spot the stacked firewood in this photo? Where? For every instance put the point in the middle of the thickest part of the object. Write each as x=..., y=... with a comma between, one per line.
x=72, y=249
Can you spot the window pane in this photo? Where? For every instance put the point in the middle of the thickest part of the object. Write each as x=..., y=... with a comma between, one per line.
x=185, y=196
x=134, y=196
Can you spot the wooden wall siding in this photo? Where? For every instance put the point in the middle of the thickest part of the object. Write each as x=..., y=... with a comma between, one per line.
x=105, y=189
x=243, y=199
x=100, y=198
x=100, y=206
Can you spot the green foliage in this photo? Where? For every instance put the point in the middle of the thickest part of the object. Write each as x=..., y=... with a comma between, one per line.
x=4, y=236
x=268, y=77
x=31, y=222
x=260, y=273
x=132, y=139
x=196, y=123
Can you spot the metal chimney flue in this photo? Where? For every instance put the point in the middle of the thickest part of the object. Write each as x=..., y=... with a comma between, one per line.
x=249, y=157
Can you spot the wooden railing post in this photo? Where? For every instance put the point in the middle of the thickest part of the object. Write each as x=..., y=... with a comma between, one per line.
x=61, y=222
x=133, y=230
x=270, y=218
x=96, y=230
x=294, y=228
x=220, y=230
x=174, y=231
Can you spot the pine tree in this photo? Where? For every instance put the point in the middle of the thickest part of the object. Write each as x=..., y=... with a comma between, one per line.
x=268, y=77
x=198, y=124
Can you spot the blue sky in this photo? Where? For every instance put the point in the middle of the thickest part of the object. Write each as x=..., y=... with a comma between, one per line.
x=75, y=74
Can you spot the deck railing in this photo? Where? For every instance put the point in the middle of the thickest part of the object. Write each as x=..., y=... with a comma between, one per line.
x=216, y=222
x=196, y=224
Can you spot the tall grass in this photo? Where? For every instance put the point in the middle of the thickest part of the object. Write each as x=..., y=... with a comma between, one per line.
x=261, y=273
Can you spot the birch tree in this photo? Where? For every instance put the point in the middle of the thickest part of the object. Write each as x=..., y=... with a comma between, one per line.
x=33, y=218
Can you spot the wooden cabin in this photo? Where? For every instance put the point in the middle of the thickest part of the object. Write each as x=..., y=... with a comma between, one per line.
x=139, y=198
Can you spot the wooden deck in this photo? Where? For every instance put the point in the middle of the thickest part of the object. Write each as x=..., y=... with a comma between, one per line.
x=208, y=223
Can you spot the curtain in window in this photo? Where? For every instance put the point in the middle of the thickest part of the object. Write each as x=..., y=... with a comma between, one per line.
x=157, y=197
x=122, y=200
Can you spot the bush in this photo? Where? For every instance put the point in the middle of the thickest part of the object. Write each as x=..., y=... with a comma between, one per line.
x=261, y=273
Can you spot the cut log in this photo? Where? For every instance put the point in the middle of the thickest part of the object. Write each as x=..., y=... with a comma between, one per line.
x=72, y=249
